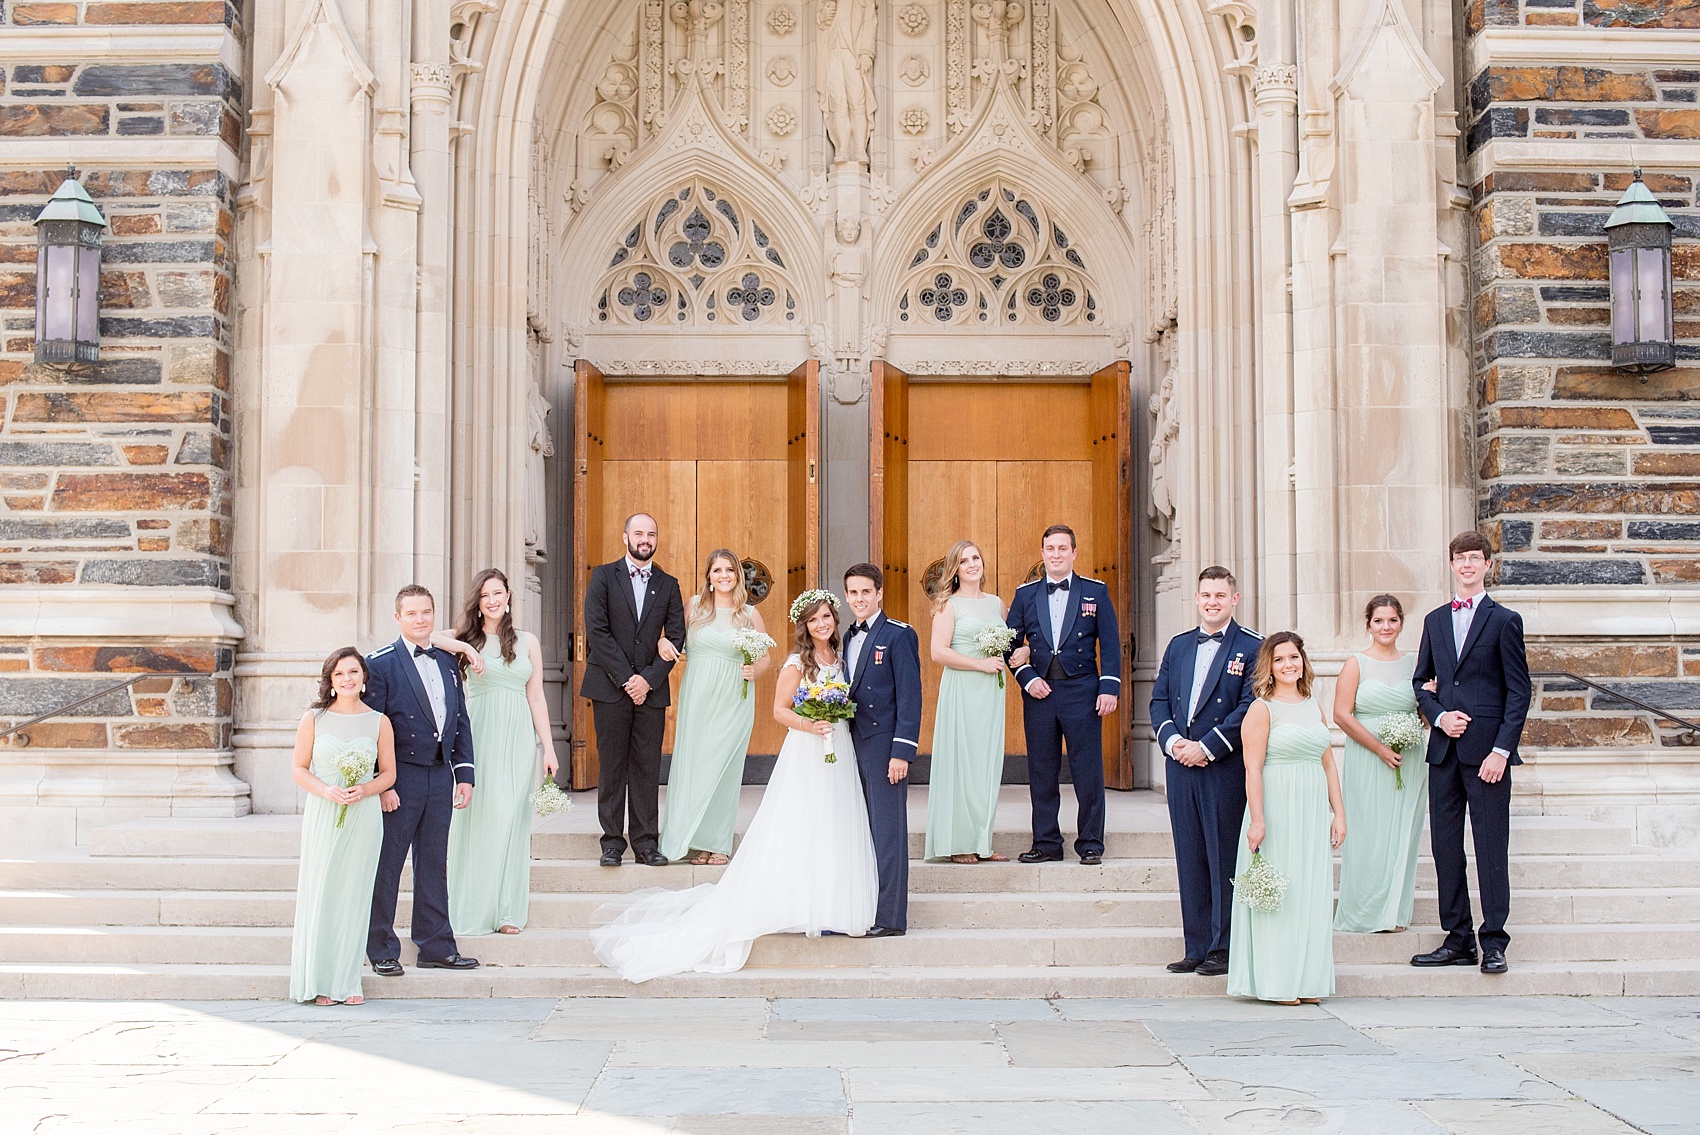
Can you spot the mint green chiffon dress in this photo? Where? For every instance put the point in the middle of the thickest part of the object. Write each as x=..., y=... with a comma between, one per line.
x=333, y=894
x=1289, y=952
x=962, y=796
x=710, y=741
x=490, y=839
x=1384, y=822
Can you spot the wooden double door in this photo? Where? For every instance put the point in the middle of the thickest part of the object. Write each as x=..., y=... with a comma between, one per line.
x=996, y=463
x=719, y=464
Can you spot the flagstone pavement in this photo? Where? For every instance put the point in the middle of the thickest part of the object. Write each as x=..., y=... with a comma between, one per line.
x=1414, y=1066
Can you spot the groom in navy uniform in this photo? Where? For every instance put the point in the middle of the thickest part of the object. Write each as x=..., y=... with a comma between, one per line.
x=883, y=659
x=1201, y=695
x=1472, y=654
x=419, y=689
x=1072, y=679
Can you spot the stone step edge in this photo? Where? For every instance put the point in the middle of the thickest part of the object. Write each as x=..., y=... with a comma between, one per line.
x=251, y=982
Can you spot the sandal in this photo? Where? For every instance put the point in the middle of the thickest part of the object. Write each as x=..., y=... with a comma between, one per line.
x=507, y=928
x=965, y=859
x=1294, y=1001
x=994, y=857
x=1310, y=1000
x=323, y=1000
x=717, y=860
x=355, y=1000
x=700, y=859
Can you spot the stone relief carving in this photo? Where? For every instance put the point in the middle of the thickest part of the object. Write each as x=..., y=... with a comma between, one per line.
x=611, y=128
x=844, y=67
x=912, y=19
x=913, y=121
x=542, y=238
x=999, y=259
x=958, y=100
x=782, y=20
x=1241, y=18
x=540, y=444
x=781, y=120
x=781, y=70
x=738, y=65
x=695, y=258
x=1158, y=231
x=914, y=71
x=1165, y=431
x=463, y=21
x=1041, y=66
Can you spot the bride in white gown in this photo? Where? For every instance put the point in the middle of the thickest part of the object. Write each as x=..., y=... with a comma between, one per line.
x=806, y=865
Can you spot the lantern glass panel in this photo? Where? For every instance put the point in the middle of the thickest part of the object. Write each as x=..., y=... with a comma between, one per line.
x=1651, y=296
x=58, y=282
x=1623, y=295
x=88, y=294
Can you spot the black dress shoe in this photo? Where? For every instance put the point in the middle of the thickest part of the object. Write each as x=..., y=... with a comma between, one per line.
x=1091, y=858
x=1037, y=856
x=884, y=932
x=1215, y=964
x=1493, y=961
x=1446, y=956
x=453, y=961
x=1185, y=965
x=387, y=967
x=610, y=858
x=651, y=858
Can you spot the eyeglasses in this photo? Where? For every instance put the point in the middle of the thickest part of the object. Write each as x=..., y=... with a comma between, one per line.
x=1469, y=558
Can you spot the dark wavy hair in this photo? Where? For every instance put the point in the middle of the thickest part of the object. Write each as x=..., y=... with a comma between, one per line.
x=328, y=695
x=471, y=627
x=806, y=641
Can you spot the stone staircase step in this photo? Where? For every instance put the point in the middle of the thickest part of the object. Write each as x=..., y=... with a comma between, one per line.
x=251, y=982
x=1003, y=947
x=279, y=837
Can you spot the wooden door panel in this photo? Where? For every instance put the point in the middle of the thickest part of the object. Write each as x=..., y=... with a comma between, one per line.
x=739, y=507
x=802, y=494
x=888, y=484
x=1112, y=504
x=589, y=404
x=948, y=501
x=740, y=421
x=646, y=421
x=1003, y=421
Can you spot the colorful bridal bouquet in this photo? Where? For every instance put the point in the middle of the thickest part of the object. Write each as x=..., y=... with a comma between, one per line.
x=752, y=644
x=355, y=767
x=1400, y=731
x=824, y=699
x=1261, y=885
x=994, y=642
x=549, y=799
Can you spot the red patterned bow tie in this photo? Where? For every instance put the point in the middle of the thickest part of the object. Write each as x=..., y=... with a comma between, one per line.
x=1463, y=604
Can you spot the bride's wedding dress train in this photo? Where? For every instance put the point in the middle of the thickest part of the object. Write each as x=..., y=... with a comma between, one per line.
x=805, y=866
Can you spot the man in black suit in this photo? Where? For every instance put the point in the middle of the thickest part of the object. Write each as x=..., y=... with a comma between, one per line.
x=883, y=658
x=628, y=606
x=1472, y=654
x=419, y=689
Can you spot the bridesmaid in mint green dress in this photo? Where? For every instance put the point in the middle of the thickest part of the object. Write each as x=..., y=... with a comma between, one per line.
x=333, y=897
x=962, y=796
x=490, y=839
x=1294, y=816
x=712, y=734
x=1386, y=796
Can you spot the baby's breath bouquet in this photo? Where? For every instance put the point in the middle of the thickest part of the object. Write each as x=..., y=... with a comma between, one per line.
x=355, y=767
x=549, y=799
x=994, y=642
x=1261, y=885
x=1400, y=731
x=752, y=644
x=824, y=699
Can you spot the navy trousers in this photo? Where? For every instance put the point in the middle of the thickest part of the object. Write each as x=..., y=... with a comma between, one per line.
x=888, y=821
x=1069, y=714
x=1454, y=788
x=420, y=825
x=1206, y=808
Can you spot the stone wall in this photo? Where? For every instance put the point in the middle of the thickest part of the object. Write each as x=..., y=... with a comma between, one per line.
x=115, y=517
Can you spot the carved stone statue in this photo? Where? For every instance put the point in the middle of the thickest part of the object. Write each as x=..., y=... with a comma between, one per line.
x=541, y=445
x=844, y=75
x=1165, y=430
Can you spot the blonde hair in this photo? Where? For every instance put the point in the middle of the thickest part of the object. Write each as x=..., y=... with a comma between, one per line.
x=951, y=581
x=1263, y=677
x=702, y=612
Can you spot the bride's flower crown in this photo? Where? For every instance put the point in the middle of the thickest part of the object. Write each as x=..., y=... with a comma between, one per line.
x=802, y=602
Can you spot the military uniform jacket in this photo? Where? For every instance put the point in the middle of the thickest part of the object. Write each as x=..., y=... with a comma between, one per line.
x=1089, y=644
x=1226, y=697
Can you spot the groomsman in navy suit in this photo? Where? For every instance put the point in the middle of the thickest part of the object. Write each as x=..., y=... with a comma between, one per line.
x=883, y=658
x=1472, y=654
x=1071, y=679
x=1201, y=695
x=418, y=688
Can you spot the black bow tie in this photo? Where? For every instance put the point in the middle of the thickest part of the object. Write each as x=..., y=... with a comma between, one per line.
x=1054, y=585
x=1203, y=638
x=856, y=629
x=421, y=652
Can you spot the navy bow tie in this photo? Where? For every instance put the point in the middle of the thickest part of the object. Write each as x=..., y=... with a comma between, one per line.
x=421, y=652
x=1055, y=585
x=1204, y=638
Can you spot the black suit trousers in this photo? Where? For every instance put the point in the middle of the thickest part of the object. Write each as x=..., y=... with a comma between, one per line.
x=628, y=787
x=420, y=824
x=1454, y=789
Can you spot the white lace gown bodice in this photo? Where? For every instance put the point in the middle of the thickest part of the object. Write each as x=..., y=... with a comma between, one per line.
x=806, y=865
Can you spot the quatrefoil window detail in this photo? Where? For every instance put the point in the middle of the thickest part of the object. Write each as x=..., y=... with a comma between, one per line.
x=643, y=297
x=943, y=297
x=1051, y=296
x=751, y=295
